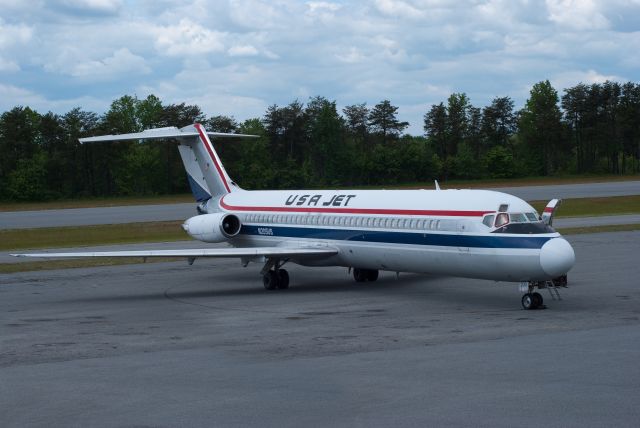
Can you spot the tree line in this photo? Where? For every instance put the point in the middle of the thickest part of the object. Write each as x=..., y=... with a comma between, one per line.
x=589, y=129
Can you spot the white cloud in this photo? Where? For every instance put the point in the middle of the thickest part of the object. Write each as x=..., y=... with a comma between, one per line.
x=243, y=50
x=122, y=62
x=323, y=6
x=8, y=65
x=351, y=56
x=91, y=6
x=243, y=55
x=12, y=96
x=577, y=14
x=571, y=78
x=12, y=35
x=188, y=38
x=399, y=8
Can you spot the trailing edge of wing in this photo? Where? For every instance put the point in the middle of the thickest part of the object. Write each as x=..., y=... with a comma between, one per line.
x=158, y=133
x=195, y=253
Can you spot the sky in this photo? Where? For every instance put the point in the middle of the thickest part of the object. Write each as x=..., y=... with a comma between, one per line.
x=237, y=57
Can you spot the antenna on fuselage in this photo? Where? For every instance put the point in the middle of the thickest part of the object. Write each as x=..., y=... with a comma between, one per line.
x=437, y=185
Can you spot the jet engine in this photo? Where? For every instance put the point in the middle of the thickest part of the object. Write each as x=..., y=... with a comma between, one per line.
x=216, y=227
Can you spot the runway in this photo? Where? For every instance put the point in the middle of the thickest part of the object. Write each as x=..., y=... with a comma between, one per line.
x=167, y=212
x=170, y=344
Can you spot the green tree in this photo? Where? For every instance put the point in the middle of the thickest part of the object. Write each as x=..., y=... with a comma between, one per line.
x=27, y=181
x=383, y=120
x=19, y=140
x=435, y=127
x=498, y=122
x=327, y=149
x=541, y=130
x=457, y=121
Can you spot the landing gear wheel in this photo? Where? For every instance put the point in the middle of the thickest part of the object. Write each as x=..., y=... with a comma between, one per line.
x=527, y=301
x=372, y=275
x=537, y=300
x=270, y=280
x=283, y=279
x=360, y=275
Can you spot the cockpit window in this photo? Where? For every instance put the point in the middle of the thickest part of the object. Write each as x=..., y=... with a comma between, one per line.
x=502, y=219
x=517, y=218
x=532, y=217
x=488, y=220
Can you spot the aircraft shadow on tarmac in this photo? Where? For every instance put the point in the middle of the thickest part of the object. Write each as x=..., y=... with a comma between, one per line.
x=486, y=296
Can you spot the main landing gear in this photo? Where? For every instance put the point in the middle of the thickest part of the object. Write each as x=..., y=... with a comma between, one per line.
x=362, y=275
x=533, y=300
x=273, y=276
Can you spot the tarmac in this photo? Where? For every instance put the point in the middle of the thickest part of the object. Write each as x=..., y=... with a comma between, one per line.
x=167, y=344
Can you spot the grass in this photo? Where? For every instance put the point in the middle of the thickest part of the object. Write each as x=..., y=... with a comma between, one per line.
x=536, y=181
x=599, y=229
x=583, y=207
x=76, y=236
x=78, y=263
x=96, y=202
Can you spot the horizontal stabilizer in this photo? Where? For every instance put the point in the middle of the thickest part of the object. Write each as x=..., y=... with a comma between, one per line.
x=195, y=253
x=158, y=133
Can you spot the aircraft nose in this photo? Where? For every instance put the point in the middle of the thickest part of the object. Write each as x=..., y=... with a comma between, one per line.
x=185, y=226
x=557, y=257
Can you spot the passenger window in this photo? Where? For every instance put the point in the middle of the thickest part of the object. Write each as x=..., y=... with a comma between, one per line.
x=502, y=219
x=488, y=220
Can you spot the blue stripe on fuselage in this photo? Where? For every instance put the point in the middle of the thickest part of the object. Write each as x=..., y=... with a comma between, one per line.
x=411, y=238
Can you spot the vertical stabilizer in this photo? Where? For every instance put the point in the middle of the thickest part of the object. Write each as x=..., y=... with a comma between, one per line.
x=205, y=171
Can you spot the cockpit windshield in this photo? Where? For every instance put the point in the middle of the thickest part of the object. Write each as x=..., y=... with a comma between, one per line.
x=516, y=223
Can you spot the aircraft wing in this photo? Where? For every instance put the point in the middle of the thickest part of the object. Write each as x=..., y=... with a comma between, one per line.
x=280, y=252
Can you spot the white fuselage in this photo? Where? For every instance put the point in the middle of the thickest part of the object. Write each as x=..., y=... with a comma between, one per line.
x=430, y=231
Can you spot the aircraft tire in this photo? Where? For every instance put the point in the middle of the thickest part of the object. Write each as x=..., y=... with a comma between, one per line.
x=283, y=279
x=270, y=280
x=372, y=275
x=359, y=275
x=538, y=301
x=527, y=301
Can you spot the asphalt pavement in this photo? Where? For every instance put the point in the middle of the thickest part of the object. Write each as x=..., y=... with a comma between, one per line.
x=169, y=344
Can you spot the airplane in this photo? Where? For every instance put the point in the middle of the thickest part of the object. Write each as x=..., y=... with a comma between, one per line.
x=478, y=234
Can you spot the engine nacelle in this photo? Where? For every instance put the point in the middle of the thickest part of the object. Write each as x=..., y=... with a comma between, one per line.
x=216, y=227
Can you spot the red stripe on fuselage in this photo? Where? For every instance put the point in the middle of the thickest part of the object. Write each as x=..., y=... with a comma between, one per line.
x=204, y=140
x=383, y=211
x=549, y=209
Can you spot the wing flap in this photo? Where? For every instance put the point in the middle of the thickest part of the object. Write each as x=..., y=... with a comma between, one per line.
x=196, y=253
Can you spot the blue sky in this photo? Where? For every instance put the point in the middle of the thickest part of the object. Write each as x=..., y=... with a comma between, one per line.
x=236, y=57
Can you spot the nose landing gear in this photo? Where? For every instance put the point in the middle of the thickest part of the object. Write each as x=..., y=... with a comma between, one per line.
x=533, y=300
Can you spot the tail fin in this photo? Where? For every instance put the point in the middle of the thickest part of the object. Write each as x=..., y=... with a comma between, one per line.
x=206, y=174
